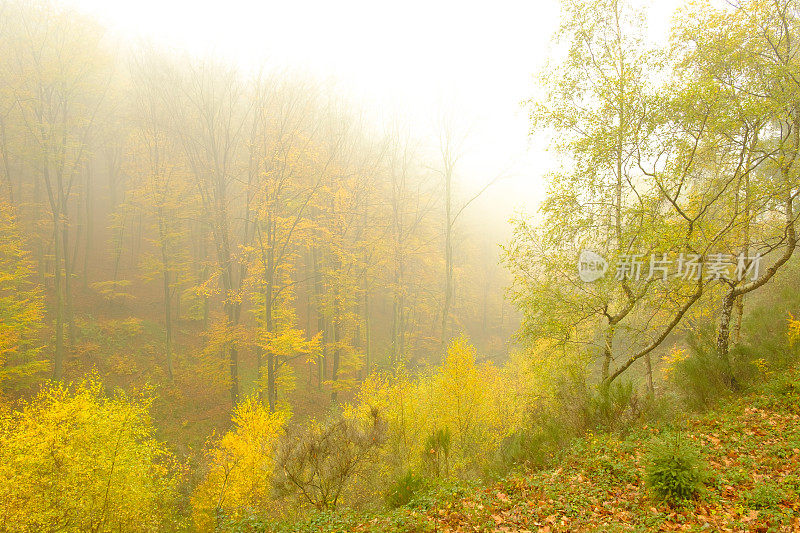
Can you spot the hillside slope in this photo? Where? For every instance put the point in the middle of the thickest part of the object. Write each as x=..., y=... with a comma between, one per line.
x=751, y=445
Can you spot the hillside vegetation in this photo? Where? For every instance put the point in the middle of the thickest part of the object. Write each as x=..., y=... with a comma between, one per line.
x=748, y=449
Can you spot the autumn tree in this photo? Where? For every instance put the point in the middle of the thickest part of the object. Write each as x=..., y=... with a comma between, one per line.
x=241, y=466
x=347, y=231
x=451, y=146
x=284, y=191
x=411, y=200
x=624, y=195
x=7, y=97
x=595, y=100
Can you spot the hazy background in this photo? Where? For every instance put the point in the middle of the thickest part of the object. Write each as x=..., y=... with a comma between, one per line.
x=413, y=59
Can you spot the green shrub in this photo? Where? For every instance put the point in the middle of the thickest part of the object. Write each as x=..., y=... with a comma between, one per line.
x=704, y=378
x=663, y=407
x=580, y=406
x=675, y=472
x=404, y=489
x=765, y=331
x=436, y=495
x=610, y=405
x=436, y=453
x=527, y=447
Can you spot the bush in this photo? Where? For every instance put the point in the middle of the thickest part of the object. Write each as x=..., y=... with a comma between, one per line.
x=532, y=447
x=240, y=466
x=581, y=407
x=446, y=422
x=766, y=346
x=513, y=451
x=610, y=405
x=74, y=459
x=675, y=471
x=316, y=463
x=404, y=489
x=703, y=378
x=769, y=329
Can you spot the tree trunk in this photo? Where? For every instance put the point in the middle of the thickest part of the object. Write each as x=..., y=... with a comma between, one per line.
x=367, y=332
x=70, y=317
x=608, y=346
x=398, y=313
x=89, y=202
x=448, y=264
x=723, y=338
x=268, y=327
x=336, y=352
x=271, y=390
x=167, y=292
x=204, y=273
x=224, y=261
x=58, y=363
x=321, y=326
x=167, y=320
x=6, y=165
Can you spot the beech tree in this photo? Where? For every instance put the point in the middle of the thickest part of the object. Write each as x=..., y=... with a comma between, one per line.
x=64, y=73
x=294, y=169
x=211, y=125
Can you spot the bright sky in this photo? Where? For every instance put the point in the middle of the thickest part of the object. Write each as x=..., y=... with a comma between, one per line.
x=414, y=56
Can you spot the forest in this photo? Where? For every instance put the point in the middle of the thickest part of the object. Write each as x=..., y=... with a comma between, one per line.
x=234, y=300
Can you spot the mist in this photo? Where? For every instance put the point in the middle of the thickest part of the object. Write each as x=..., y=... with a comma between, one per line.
x=422, y=266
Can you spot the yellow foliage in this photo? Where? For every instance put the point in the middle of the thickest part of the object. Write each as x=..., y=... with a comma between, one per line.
x=794, y=329
x=76, y=460
x=675, y=356
x=463, y=397
x=531, y=378
x=114, y=291
x=240, y=466
x=406, y=406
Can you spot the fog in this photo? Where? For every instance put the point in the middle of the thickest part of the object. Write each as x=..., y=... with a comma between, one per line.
x=414, y=60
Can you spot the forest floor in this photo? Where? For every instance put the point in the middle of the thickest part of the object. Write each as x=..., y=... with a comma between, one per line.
x=751, y=445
